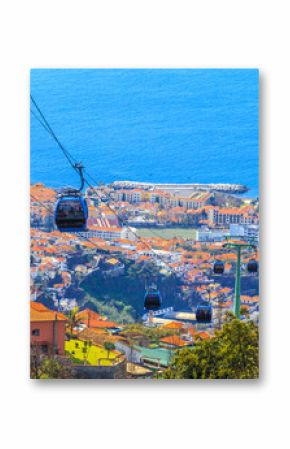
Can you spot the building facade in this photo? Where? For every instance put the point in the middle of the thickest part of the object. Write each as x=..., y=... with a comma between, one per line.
x=47, y=329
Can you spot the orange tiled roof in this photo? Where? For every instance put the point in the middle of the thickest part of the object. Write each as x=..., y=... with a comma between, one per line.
x=231, y=211
x=38, y=312
x=225, y=290
x=103, y=324
x=245, y=298
x=203, y=335
x=192, y=331
x=95, y=320
x=88, y=313
x=174, y=340
x=246, y=307
x=140, y=258
x=173, y=325
x=43, y=193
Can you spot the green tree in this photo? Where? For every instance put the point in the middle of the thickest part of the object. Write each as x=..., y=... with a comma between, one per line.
x=48, y=368
x=109, y=346
x=233, y=353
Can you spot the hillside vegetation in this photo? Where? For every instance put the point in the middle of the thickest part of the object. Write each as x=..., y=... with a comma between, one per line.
x=126, y=292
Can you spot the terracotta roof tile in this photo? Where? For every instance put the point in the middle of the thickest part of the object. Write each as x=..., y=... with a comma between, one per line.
x=38, y=312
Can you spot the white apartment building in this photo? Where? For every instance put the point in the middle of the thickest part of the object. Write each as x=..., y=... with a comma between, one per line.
x=109, y=233
x=248, y=232
x=229, y=216
x=211, y=236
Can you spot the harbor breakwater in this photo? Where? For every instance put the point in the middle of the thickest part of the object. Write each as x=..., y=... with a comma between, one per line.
x=224, y=188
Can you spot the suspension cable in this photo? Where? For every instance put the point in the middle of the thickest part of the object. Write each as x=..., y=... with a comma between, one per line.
x=73, y=163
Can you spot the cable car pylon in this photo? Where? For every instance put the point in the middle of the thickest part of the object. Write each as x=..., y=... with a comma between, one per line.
x=238, y=246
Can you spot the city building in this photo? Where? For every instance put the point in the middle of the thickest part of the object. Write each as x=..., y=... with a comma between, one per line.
x=208, y=235
x=227, y=216
x=108, y=233
x=248, y=232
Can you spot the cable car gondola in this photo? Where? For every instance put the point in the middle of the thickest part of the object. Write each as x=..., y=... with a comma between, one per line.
x=218, y=267
x=71, y=213
x=252, y=266
x=203, y=313
x=152, y=299
x=71, y=210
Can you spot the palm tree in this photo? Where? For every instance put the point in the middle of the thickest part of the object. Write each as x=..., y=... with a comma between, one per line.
x=73, y=320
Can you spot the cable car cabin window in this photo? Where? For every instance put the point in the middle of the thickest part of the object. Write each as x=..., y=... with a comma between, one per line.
x=152, y=301
x=70, y=209
x=71, y=214
x=203, y=316
x=252, y=266
x=218, y=268
x=203, y=313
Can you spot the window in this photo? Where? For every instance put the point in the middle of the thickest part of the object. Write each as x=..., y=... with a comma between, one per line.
x=35, y=332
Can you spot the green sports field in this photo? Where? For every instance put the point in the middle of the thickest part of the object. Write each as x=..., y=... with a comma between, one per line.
x=167, y=233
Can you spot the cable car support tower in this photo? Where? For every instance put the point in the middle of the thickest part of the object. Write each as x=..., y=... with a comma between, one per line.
x=238, y=247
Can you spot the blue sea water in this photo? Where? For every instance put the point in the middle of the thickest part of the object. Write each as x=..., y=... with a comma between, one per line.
x=165, y=125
